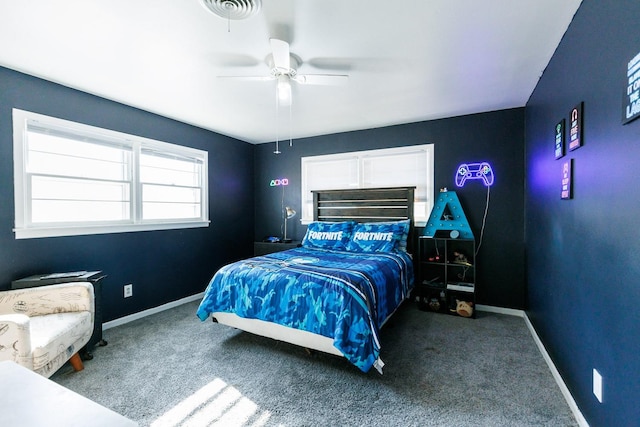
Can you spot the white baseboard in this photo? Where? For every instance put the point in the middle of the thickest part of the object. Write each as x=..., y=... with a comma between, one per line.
x=554, y=371
x=556, y=375
x=500, y=310
x=149, y=312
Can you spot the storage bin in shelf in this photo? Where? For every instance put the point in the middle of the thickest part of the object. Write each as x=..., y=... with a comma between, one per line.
x=461, y=287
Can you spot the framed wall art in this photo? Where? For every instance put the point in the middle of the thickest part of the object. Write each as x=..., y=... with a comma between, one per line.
x=631, y=98
x=567, y=180
x=575, y=130
x=559, y=132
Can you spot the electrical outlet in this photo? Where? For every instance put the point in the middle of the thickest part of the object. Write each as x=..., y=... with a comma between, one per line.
x=128, y=290
x=597, y=385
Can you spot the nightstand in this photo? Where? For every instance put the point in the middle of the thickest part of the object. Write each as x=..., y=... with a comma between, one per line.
x=263, y=248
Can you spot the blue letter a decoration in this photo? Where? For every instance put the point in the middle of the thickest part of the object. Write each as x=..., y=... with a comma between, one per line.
x=447, y=215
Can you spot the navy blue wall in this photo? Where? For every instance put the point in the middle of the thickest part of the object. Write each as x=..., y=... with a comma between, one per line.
x=162, y=265
x=583, y=254
x=497, y=137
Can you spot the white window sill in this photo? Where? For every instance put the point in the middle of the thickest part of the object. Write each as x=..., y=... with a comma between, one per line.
x=32, y=233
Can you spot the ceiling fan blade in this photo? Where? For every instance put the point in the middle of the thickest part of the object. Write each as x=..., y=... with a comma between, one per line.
x=280, y=52
x=248, y=78
x=322, y=79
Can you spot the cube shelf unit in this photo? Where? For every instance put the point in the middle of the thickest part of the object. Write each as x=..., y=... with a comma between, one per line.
x=446, y=273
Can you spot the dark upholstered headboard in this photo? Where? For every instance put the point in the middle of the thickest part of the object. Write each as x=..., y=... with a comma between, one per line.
x=366, y=205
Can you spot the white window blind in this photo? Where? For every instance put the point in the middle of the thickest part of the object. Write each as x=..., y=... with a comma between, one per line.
x=170, y=186
x=391, y=167
x=73, y=179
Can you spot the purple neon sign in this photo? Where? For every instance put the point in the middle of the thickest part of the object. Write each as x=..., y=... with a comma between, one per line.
x=472, y=171
x=279, y=182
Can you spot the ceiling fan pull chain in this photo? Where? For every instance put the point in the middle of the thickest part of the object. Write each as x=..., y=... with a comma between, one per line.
x=277, y=126
x=290, y=124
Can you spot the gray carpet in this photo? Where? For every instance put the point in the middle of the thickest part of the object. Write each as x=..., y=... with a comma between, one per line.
x=170, y=369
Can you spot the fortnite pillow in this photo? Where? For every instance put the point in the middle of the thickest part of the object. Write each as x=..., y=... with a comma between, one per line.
x=404, y=236
x=328, y=235
x=379, y=237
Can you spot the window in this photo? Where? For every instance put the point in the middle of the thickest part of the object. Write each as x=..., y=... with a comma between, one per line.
x=73, y=179
x=391, y=167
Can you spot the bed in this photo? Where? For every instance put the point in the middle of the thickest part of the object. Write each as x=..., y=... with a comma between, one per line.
x=334, y=293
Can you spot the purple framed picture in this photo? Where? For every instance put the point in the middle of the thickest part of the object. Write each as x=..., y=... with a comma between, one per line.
x=575, y=129
x=567, y=180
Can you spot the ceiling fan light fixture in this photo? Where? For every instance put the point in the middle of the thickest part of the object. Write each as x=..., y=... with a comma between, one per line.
x=233, y=9
x=284, y=90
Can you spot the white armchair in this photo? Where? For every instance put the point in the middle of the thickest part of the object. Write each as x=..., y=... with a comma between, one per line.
x=43, y=327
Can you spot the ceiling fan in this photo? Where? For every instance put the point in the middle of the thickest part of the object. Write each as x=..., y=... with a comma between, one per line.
x=283, y=68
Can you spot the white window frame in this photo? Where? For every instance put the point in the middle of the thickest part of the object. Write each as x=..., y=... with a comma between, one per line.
x=323, y=165
x=25, y=228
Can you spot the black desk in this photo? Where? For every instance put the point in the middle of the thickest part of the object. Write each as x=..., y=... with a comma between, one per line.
x=53, y=278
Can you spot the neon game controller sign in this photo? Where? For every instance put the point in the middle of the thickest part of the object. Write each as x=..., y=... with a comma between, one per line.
x=474, y=171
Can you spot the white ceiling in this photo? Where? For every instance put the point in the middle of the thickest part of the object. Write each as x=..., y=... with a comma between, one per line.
x=407, y=61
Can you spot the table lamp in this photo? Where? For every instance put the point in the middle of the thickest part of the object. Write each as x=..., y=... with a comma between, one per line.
x=288, y=214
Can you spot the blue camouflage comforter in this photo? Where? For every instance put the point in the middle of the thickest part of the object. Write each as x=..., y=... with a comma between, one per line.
x=340, y=295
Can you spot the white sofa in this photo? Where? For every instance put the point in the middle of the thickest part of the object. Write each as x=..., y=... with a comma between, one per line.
x=43, y=327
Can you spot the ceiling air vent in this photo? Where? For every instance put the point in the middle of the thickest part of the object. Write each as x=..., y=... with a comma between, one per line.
x=233, y=9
